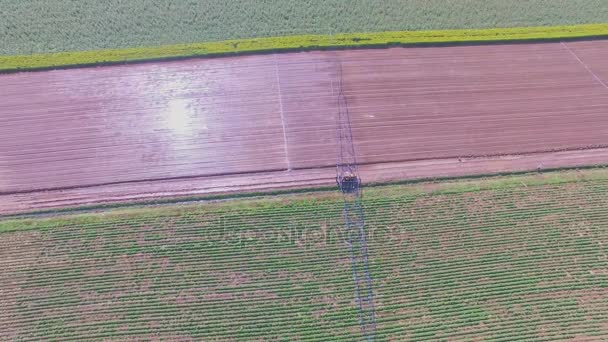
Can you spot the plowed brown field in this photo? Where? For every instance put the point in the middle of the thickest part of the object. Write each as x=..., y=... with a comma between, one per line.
x=255, y=117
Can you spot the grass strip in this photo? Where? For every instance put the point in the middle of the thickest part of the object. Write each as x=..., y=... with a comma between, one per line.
x=298, y=43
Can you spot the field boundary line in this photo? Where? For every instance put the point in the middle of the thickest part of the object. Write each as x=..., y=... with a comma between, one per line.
x=446, y=185
x=583, y=64
x=155, y=191
x=281, y=111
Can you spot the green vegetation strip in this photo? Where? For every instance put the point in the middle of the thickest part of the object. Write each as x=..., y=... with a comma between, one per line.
x=504, y=258
x=297, y=43
x=48, y=26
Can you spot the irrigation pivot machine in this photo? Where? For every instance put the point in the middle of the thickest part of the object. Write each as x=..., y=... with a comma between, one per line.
x=349, y=183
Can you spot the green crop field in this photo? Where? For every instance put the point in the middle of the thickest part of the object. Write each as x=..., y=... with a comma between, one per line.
x=46, y=34
x=505, y=258
x=44, y=26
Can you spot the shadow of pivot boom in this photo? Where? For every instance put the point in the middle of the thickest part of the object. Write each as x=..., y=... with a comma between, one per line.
x=349, y=183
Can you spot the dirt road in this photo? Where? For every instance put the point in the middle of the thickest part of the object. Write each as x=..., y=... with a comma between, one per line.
x=251, y=116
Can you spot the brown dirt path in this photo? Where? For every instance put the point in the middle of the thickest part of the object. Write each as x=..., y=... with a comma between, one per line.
x=281, y=180
x=240, y=123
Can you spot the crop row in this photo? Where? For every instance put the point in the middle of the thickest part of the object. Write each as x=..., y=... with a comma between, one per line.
x=496, y=263
x=91, y=25
x=232, y=259
x=502, y=283
x=264, y=219
x=426, y=237
x=298, y=301
x=504, y=330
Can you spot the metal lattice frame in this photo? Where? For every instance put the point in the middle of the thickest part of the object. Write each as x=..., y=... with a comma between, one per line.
x=347, y=177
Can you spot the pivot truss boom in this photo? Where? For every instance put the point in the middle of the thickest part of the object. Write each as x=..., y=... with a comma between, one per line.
x=348, y=180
